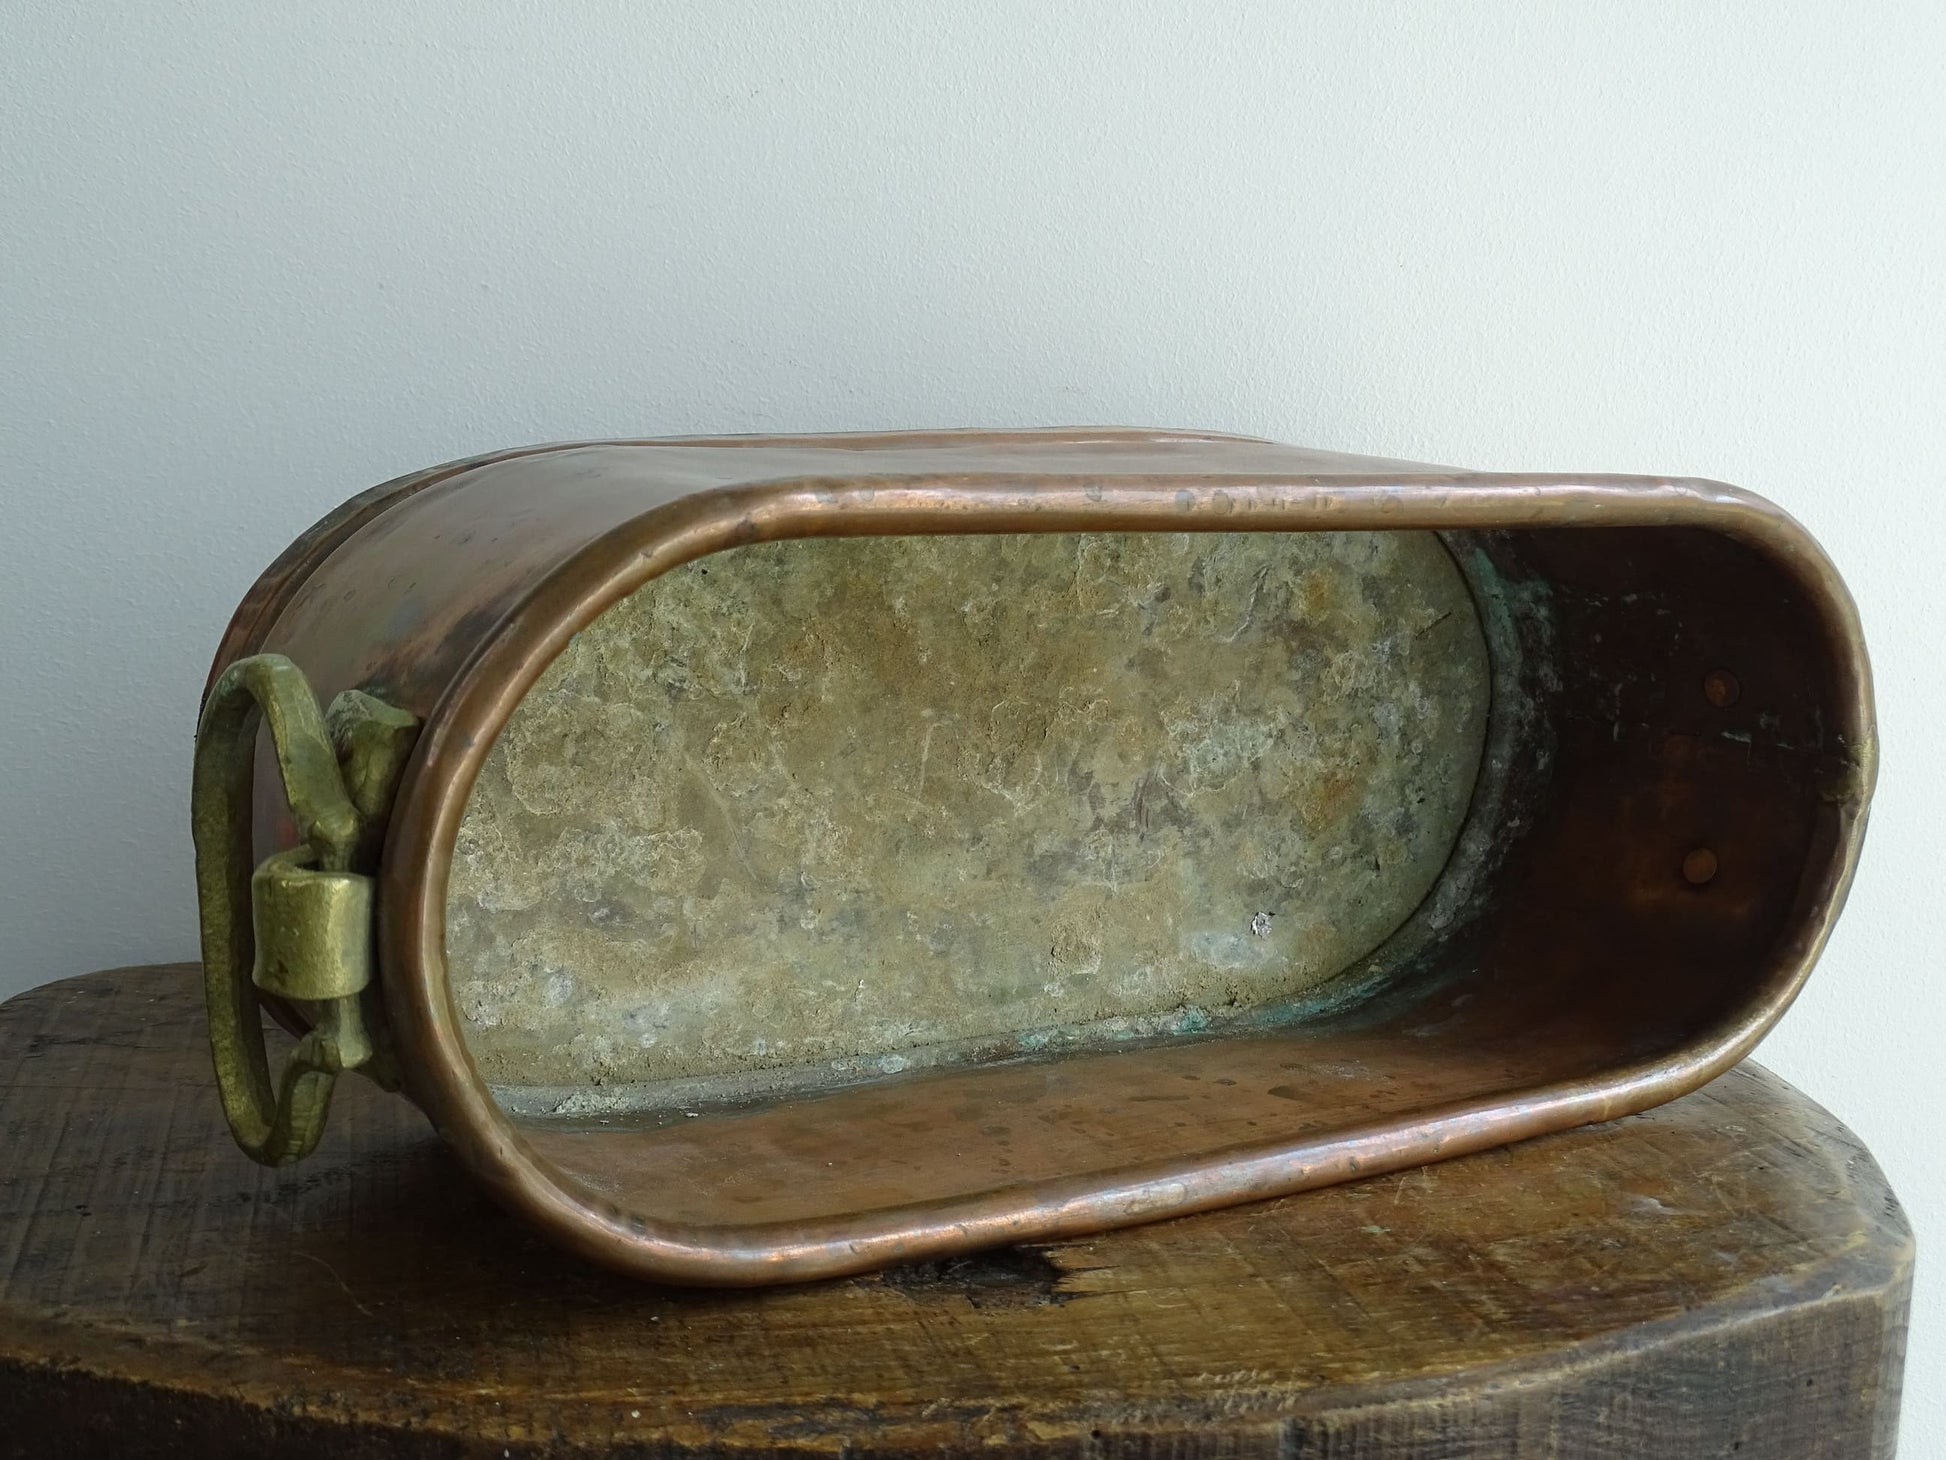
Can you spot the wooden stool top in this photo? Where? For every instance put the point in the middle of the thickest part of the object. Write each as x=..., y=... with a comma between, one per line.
x=1728, y=1274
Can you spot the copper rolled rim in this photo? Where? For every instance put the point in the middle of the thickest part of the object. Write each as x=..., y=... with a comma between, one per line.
x=1578, y=967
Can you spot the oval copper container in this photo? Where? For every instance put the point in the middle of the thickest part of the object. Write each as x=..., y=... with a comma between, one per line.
x=1660, y=830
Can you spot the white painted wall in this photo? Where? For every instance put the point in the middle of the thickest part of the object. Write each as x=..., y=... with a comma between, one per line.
x=256, y=257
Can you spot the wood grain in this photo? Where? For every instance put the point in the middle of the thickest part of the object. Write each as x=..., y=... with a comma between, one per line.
x=1727, y=1275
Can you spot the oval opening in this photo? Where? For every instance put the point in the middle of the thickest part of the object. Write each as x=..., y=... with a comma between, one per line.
x=806, y=813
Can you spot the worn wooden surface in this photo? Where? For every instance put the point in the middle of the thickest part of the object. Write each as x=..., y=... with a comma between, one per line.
x=1727, y=1275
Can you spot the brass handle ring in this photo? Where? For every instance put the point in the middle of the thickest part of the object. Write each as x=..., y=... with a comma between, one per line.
x=301, y=924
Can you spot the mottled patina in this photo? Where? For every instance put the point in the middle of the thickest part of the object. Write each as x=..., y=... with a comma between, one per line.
x=848, y=806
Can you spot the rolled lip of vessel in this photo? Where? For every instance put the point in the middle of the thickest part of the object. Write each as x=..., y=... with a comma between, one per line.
x=1198, y=494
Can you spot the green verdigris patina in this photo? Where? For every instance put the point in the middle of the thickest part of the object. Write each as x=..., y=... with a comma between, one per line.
x=810, y=811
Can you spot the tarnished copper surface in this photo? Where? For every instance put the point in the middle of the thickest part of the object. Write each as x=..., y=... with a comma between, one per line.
x=805, y=812
x=1584, y=971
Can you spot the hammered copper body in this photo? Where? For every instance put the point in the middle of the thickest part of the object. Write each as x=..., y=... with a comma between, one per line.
x=1663, y=895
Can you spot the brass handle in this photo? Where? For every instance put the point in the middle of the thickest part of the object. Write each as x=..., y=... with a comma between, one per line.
x=302, y=922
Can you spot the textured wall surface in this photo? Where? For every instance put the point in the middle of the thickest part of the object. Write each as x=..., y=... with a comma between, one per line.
x=254, y=258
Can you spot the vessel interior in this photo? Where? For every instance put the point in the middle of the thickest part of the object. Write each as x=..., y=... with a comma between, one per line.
x=832, y=873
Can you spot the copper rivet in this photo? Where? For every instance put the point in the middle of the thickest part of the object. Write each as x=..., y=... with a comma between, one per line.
x=1699, y=866
x=1721, y=689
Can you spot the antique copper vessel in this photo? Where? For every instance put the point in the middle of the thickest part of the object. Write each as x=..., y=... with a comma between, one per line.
x=765, y=858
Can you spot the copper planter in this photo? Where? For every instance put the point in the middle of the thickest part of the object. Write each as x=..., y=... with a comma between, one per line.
x=1008, y=835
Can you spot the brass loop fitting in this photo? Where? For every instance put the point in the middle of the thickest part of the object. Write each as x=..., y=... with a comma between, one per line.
x=302, y=924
